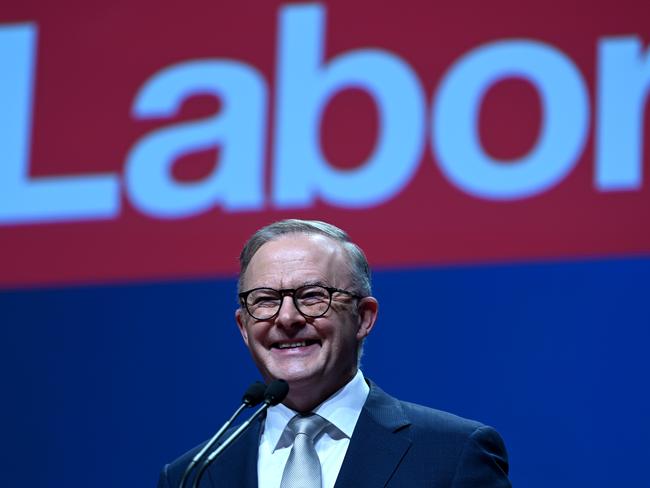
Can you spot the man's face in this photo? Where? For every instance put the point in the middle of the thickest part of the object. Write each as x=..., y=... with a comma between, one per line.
x=323, y=352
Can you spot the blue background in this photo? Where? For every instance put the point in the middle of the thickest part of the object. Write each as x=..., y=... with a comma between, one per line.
x=104, y=384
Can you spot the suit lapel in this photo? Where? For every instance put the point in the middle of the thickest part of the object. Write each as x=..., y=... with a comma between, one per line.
x=237, y=466
x=376, y=449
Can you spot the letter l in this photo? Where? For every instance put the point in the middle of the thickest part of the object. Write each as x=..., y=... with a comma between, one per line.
x=25, y=200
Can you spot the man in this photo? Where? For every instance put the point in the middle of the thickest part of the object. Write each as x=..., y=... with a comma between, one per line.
x=305, y=310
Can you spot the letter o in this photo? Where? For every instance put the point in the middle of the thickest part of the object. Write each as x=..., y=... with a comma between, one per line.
x=565, y=112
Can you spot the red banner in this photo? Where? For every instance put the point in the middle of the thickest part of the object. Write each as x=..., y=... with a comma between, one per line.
x=148, y=140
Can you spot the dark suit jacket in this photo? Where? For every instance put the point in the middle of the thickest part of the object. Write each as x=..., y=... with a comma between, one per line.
x=394, y=444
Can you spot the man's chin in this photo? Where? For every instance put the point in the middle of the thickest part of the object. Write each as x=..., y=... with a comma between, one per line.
x=297, y=373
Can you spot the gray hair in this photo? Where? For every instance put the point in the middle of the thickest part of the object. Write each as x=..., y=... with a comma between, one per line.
x=357, y=262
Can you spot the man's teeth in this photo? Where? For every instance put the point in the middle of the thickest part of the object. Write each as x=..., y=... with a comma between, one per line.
x=287, y=345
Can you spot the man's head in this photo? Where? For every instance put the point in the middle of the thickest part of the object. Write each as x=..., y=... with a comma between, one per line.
x=316, y=355
x=359, y=268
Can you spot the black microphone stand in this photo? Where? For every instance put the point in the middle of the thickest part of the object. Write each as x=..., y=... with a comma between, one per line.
x=253, y=396
x=275, y=393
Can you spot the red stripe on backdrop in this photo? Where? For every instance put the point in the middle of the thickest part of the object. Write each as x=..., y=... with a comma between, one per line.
x=92, y=62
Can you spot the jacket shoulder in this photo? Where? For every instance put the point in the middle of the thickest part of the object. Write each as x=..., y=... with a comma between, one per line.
x=438, y=421
x=448, y=447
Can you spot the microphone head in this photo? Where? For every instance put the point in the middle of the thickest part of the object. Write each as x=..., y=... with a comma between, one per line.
x=254, y=394
x=276, y=392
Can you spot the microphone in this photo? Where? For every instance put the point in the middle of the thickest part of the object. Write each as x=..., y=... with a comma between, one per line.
x=253, y=396
x=275, y=393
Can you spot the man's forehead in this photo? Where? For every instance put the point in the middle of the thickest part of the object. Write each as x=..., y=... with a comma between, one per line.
x=299, y=258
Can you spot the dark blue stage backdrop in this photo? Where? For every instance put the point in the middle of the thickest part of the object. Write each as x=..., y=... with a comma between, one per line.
x=105, y=384
x=491, y=158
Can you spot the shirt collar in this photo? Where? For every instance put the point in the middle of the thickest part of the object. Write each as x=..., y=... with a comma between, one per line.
x=342, y=410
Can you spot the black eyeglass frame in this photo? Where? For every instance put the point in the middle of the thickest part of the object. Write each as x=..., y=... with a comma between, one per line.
x=292, y=293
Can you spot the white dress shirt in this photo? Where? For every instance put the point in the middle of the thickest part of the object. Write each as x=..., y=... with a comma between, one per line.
x=342, y=410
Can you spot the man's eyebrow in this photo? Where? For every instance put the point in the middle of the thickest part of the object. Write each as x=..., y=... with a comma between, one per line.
x=316, y=283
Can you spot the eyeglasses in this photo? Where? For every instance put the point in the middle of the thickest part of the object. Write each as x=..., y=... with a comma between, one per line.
x=310, y=300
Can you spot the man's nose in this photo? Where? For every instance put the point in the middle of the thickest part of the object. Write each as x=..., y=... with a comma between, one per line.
x=288, y=315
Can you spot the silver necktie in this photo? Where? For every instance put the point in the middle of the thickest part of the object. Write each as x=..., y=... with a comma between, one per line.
x=303, y=467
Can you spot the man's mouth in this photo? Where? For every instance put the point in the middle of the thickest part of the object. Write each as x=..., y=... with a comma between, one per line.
x=294, y=344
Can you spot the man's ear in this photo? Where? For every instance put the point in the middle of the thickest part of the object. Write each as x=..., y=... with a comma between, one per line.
x=240, y=319
x=368, y=309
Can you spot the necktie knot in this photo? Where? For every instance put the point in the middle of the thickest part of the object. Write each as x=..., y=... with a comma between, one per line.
x=310, y=424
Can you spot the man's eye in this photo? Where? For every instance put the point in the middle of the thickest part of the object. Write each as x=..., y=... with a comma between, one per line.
x=312, y=296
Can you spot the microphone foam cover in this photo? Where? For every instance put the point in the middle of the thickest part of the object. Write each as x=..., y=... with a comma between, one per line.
x=254, y=394
x=276, y=392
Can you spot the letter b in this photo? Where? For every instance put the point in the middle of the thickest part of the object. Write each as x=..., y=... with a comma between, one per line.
x=301, y=173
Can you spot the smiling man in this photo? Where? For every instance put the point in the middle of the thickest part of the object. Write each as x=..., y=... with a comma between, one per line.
x=305, y=309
